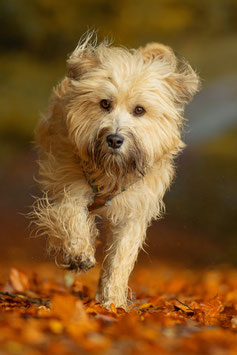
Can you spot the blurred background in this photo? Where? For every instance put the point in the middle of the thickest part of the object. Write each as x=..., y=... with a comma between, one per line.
x=199, y=227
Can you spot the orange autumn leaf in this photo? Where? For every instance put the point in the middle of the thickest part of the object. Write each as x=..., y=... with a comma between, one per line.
x=213, y=307
x=63, y=306
x=19, y=280
x=51, y=318
x=113, y=308
x=56, y=326
x=208, y=311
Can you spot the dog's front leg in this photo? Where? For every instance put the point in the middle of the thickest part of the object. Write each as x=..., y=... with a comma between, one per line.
x=70, y=229
x=121, y=253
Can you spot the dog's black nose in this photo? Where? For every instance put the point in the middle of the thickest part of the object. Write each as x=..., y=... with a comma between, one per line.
x=114, y=141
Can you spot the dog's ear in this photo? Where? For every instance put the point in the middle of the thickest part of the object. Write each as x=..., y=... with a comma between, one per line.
x=83, y=57
x=80, y=62
x=182, y=79
x=157, y=51
x=184, y=83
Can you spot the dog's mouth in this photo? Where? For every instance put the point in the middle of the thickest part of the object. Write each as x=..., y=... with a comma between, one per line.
x=118, y=164
x=117, y=154
x=114, y=152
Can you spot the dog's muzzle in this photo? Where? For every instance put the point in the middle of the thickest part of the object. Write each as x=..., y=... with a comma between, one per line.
x=114, y=141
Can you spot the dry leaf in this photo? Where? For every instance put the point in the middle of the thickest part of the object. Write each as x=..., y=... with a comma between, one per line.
x=19, y=280
x=176, y=314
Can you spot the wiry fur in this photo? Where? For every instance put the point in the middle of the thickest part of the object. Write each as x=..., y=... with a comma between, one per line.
x=71, y=138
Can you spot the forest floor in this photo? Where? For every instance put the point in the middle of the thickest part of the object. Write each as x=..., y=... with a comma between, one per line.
x=174, y=310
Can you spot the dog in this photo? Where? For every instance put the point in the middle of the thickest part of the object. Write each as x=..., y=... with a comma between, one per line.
x=106, y=147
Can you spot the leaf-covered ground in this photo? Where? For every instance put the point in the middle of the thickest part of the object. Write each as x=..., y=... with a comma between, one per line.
x=173, y=311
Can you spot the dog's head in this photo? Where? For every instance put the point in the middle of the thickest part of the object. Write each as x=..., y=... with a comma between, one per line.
x=125, y=107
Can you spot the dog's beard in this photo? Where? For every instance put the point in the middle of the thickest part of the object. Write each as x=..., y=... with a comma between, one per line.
x=118, y=163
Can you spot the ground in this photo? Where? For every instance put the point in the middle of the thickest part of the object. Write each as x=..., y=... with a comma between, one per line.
x=173, y=310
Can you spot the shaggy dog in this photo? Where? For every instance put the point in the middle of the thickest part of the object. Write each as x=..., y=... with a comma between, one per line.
x=106, y=146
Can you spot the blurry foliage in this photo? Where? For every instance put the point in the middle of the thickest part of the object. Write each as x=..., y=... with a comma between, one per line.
x=26, y=84
x=36, y=37
x=41, y=25
x=209, y=176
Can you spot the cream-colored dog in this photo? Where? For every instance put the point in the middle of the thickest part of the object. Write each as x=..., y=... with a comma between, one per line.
x=107, y=145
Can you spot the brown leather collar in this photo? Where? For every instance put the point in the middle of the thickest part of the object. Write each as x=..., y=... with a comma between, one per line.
x=100, y=200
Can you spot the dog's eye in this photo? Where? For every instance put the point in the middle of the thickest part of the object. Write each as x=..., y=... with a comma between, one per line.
x=105, y=104
x=139, y=111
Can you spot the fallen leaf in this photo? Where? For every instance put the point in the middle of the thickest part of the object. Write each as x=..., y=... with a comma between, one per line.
x=19, y=280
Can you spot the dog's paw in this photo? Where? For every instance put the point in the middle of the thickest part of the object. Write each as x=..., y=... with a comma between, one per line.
x=80, y=264
x=108, y=302
x=110, y=305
